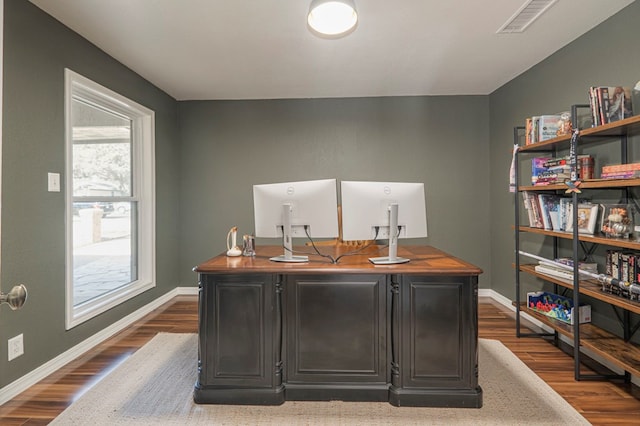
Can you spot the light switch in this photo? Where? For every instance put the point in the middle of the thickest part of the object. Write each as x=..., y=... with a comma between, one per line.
x=54, y=182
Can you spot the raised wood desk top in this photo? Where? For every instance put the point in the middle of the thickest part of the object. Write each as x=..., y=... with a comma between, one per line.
x=424, y=260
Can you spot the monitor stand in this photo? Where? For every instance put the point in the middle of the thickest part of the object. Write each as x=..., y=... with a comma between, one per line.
x=286, y=239
x=393, y=258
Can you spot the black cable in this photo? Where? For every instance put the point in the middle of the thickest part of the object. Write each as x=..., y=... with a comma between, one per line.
x=313, y=244
x=306, y=230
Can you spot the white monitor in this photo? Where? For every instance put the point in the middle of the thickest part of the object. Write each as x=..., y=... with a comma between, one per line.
x=370, y=210
x=305, y=209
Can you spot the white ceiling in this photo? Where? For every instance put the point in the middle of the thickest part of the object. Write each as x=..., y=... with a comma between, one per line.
x=262, y=49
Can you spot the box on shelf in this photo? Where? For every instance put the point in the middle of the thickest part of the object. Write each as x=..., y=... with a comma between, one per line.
x=556, y=306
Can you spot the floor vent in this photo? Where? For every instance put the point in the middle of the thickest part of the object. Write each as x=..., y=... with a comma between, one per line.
x=529, y=12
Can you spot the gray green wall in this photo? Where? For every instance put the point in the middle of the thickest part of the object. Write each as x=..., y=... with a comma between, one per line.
x=210, y=153
x=227, y=146
x=606, y=55
x=36, y=50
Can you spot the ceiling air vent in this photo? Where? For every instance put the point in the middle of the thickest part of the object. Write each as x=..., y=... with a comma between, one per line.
x=529, y=12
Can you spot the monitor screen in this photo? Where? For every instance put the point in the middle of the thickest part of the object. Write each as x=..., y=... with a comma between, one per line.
x=312, y=203
x=367, y=206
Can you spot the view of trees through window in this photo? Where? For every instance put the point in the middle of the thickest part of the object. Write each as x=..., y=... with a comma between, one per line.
x=103, y=259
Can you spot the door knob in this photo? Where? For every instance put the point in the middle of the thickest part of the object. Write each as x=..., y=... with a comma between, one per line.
x=15, y=298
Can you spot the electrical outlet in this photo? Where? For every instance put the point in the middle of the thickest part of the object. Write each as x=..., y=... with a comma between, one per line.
x=16, y=347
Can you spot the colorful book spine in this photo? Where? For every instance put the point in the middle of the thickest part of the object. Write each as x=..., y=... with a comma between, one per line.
x=621, y=175
x=620, y=167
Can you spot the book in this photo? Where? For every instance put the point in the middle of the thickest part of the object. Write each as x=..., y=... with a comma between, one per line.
x=528, y=131
x=548, y=127
x=603, y=104
x=621, y=175
x=554, y=272
x=562, y=161
x=538, y=167
x=532, y=205
x=595, y=117
x=548, y=208
x=610, y=103
x=585, y=266
x=563, y=212
x=620, y=103
x=620, y=167
x=551, y=177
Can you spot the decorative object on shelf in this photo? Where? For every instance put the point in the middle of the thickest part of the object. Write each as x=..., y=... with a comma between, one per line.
x=15, y=298
x=232, y=247
x=587, y=218
x=248, y=245
x=617, y=220
x=573, y=183
x=565, y=127
x=512, y=169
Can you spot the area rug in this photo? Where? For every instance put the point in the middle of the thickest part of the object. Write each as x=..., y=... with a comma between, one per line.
x=155, y=387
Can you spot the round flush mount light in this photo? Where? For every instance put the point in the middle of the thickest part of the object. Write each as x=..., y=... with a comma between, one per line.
x=332, y=18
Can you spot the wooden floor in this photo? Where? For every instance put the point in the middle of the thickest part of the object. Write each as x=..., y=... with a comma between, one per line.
x=601, y=402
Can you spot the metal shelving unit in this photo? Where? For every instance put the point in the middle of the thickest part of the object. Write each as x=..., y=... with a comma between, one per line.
x=618, y=350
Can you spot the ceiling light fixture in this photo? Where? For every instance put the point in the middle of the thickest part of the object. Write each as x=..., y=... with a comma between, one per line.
x=332, y=18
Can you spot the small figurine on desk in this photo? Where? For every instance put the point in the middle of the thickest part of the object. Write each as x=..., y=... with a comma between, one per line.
x=248, y=245
x=232, y=247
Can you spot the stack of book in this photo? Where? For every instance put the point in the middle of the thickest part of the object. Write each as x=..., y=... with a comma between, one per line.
x=621, y=171
x=552, y=269
x=547, y=171
x=610, y=103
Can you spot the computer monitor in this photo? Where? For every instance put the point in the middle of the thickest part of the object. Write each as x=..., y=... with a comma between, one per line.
x=383, y=210
x=304, y=209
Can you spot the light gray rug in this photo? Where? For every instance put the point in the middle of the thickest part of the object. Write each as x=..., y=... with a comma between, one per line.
x=155, y=386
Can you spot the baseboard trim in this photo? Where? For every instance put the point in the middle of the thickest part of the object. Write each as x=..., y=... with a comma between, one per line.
x=13, y=389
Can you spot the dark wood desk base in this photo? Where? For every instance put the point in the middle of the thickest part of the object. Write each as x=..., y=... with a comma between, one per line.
x=406, y=334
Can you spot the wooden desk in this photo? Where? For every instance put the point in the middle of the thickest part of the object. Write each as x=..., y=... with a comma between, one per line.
x=353, y=331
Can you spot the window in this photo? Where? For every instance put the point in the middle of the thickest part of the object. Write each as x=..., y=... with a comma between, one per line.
x=110, y=199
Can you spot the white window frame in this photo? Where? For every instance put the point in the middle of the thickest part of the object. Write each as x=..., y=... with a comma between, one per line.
x=143, y=191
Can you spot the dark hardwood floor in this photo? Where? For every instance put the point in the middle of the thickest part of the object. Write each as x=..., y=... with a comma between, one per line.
x=600, y=402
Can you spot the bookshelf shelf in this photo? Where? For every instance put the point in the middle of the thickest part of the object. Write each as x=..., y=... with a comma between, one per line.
x=624, y=355
x=590, y=288
x=620, y=128
x=586, y=184
x=613, y=242
x=615, y=349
